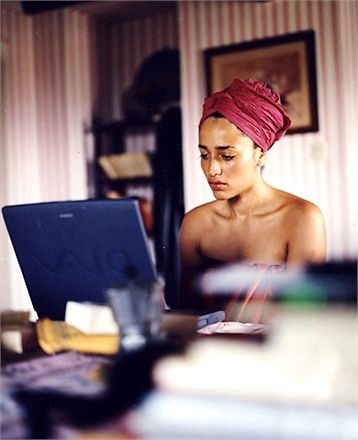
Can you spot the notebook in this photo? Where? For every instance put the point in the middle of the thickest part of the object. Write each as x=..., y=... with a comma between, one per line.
x=76, y=250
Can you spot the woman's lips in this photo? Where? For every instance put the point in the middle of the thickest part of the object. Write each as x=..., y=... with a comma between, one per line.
x=216, y=185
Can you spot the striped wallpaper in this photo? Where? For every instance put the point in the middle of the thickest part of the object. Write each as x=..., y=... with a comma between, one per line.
x=46, y=102
x=319, y=166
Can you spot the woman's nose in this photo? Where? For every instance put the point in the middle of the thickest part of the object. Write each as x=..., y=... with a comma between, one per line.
x=215, y=168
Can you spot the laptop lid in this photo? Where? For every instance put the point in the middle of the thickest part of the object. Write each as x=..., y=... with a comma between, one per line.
x=75, y=250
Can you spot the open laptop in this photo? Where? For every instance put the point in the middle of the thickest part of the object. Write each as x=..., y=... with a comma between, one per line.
x=75, y=250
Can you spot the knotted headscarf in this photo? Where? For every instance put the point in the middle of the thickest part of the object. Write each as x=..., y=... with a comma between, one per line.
x=254, y=108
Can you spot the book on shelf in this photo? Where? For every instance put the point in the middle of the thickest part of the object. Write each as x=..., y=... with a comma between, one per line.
x=126, y=165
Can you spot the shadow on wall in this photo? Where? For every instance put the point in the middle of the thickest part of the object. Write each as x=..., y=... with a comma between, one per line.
x=156, y=86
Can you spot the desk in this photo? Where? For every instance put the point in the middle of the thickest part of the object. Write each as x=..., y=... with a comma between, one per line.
x=303, y=385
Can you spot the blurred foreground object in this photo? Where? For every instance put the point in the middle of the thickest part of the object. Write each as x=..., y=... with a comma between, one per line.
x=137, y=308
x=18, y=333
x=58, y=336
x=300, y=384
x=328, y=282
x=309, y=358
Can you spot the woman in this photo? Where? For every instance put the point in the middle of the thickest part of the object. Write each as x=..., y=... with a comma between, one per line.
x=250, y=221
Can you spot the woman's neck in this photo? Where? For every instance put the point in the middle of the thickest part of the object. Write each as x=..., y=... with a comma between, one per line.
x=252, y=201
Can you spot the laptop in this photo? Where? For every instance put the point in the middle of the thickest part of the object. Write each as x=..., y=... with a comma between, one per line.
x=76, y=250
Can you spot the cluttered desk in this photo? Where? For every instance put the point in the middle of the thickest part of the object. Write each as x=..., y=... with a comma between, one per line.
x=106, y=360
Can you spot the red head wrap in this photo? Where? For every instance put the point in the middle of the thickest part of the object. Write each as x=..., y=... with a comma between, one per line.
x=254, y=108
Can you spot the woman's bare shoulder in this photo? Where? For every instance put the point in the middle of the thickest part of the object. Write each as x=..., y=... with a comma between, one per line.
x=297, y=206
x=299, y=213
x=196, y=223
x=203, y=213
x=305, y=226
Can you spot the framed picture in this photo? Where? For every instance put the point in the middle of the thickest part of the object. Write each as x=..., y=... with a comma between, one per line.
x=285, y=63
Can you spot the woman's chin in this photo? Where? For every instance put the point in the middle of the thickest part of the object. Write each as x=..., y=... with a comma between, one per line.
x=220, y=196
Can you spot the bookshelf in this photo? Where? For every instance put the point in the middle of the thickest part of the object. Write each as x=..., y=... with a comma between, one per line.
x=121, y=163
x=148, y=155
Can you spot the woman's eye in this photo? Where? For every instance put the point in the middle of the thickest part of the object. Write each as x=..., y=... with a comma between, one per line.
x=227, y=157
x=204, y=156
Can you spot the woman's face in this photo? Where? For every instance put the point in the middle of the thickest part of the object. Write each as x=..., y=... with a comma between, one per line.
x=228, y=158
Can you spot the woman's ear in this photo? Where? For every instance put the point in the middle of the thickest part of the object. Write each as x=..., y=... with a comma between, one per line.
x=260, y=157
x=262, y=160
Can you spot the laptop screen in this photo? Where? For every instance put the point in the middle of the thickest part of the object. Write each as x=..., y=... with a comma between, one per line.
x=75, y=250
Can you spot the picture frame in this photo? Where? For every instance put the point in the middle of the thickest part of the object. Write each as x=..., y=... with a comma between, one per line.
x=286, y=63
